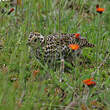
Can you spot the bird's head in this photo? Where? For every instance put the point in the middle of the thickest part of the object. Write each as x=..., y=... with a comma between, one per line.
x=35, y=39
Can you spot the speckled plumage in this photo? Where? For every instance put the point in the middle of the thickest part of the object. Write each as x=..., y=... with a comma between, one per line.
x=53, y=47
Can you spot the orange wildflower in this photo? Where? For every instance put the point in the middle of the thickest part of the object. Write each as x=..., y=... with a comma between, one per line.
x=77, y=35
x=11, y=10
x=46, y=90
x=99, y=10
x=74, y=46
x=89, y=82
x=35, y=72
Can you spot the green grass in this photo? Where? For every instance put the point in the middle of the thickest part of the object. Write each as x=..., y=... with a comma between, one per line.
x=18, y=88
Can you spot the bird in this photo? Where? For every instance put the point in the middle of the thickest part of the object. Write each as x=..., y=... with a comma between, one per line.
x=54, y=47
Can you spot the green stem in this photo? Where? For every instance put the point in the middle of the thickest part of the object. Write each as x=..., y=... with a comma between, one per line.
x=98, y=40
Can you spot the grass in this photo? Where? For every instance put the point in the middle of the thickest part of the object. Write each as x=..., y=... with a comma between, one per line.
x=20, y=90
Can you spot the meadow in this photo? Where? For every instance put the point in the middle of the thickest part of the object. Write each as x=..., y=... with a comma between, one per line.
x=23, y=81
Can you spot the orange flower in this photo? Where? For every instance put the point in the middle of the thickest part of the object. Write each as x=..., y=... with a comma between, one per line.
x=74, y=46
x=99, y=10
x=89, y=82
x=35, y=72
x=11, y=10
x=46, y=90
x=77, y=35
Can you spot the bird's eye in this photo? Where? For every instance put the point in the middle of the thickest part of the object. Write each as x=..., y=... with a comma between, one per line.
x=42, y=39
x=31, y=36
x=35, y=40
